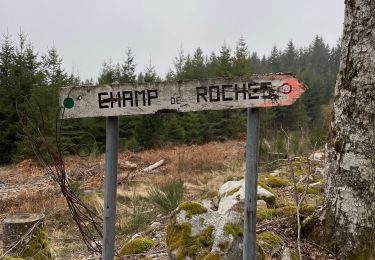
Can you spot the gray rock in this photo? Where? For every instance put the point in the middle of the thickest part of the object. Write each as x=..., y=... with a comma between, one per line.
x=130, y=165
x=275, y=173
x=261, y=203
x=286, y=255
x=318, y=155
x=232, y=192
x=226, y=216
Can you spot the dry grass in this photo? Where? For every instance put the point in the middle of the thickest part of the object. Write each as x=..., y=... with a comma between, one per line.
x=199, y=167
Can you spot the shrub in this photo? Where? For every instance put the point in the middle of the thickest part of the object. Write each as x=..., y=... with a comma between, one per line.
x=167, y=196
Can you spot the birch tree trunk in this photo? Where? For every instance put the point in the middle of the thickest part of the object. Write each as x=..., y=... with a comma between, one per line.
x=350, y=169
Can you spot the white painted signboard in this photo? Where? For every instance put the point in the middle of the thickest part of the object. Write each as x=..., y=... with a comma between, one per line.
x=182, y=96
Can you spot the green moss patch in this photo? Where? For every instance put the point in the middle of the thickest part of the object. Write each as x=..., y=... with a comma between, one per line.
x=212, y=256
x=294, y=255
x=308, y=209
x=233, y=229
x=233, y=178
x=271, y=201
x=179, y=238
x=269, y=241
x=137, y=246
x=260, y=255
x=233, y=191
x=212, y=194
x=37, y=248
x=310, y=190
x=286, y=211
x=223, y=245
x=276, y=182
x=192, y=208
x=265, y=213
x=264, y=186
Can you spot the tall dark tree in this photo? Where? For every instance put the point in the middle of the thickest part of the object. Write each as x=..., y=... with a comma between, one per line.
x=274, y=60
x=212, y=65
x=19, y=74
x=150, y=127
x=8, y=118
x=289, y=58
x=255, y=63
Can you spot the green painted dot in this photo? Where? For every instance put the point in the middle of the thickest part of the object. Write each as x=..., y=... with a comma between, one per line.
x=68, y=103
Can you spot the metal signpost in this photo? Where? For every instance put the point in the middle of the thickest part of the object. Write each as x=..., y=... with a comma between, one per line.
x=114, y=100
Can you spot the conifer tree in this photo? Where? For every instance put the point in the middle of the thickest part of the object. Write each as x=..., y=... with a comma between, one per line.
x=109, y=73
x=198, y=67
x=127, y=72
x=54, y=75
x=241, y=63
x=225, y=62
x=179, y=64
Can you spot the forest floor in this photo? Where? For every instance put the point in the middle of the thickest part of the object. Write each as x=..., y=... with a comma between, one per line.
x=27, y=187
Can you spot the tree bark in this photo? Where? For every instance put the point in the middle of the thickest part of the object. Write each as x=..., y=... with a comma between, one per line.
x=350, y=170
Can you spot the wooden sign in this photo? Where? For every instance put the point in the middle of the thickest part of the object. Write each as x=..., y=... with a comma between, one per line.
x=181, y=96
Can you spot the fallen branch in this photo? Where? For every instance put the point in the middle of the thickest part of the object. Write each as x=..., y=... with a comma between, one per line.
x=153, y=166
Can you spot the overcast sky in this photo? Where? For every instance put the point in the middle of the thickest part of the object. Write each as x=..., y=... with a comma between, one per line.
x=87, y=32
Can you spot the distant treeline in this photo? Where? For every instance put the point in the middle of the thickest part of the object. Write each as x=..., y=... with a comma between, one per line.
x=24, y=72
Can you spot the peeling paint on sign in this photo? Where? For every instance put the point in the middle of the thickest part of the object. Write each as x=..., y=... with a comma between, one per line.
x=181, y=96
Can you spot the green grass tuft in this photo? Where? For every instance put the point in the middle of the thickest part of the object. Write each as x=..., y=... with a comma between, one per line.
x=167, y=197
x=233, y=229
x=229, y=193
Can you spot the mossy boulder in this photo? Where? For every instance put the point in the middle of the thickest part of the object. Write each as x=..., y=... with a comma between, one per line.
x=197, y=231
x=201, y=231
x=136, y=246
